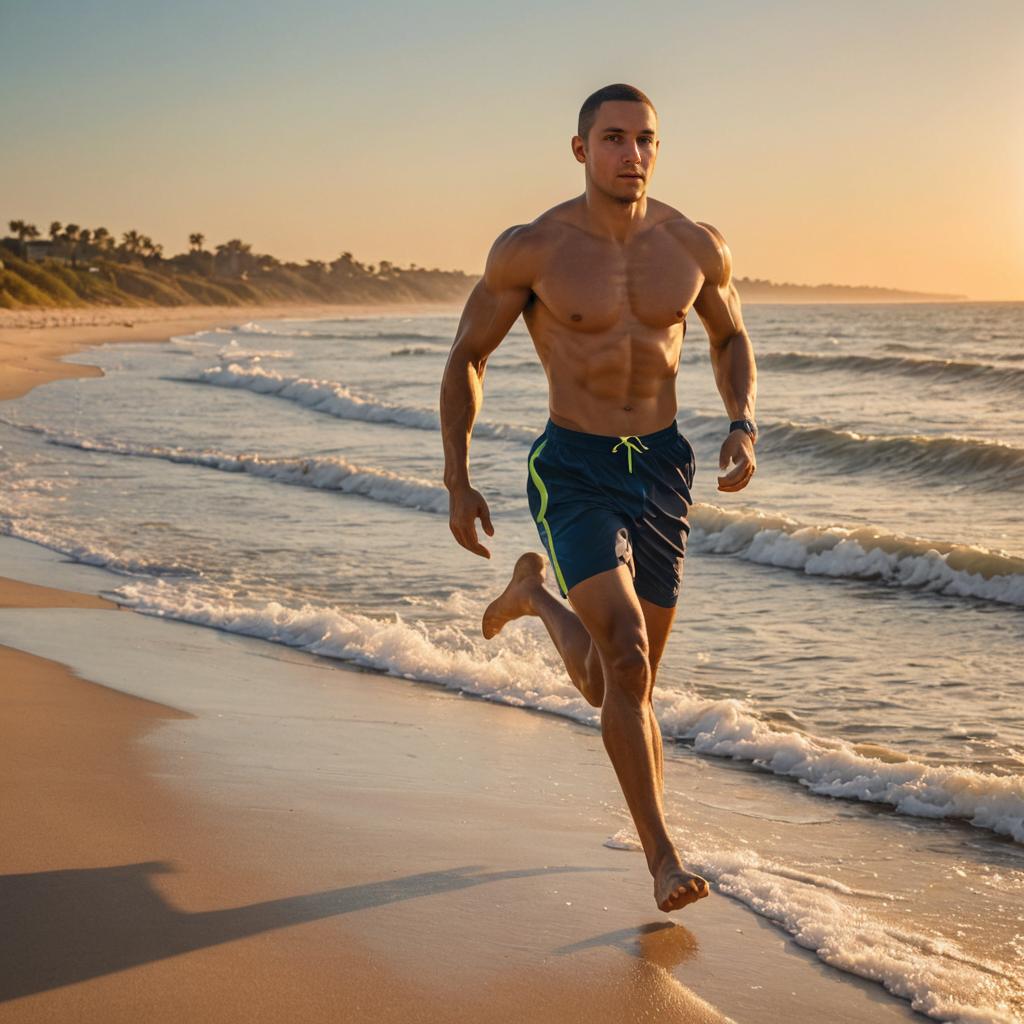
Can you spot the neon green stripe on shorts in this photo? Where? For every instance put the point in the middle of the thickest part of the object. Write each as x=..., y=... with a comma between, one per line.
x=543, y=492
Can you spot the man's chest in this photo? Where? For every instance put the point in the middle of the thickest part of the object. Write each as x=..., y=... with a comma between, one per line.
x=593, y=285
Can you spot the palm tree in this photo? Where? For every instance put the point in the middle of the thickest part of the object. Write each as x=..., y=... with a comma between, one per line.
x=196, y=240
x=55, y=229
x=131, y=242
x=234, y=245
x=235, y=255
x=71, y=235
x=101, y=239
x=150, y=251
x=23, y=230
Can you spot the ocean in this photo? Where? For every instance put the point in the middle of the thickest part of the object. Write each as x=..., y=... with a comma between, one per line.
x=841, y=697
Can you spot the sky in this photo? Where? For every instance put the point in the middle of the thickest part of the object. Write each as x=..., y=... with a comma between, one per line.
x=868, y=143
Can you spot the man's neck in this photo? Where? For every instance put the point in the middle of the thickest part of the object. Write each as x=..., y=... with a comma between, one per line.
x=612, y=217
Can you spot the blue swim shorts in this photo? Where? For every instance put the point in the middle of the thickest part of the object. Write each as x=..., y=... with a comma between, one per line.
x=600, y=502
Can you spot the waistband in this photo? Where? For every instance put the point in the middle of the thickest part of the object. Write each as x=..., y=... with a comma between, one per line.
x=605, y=442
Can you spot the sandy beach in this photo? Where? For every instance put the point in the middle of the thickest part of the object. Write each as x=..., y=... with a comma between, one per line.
x=33, y=341
x=202, y=828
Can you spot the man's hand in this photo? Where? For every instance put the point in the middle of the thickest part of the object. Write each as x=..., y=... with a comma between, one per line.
x=738, y=448
x=466, y=505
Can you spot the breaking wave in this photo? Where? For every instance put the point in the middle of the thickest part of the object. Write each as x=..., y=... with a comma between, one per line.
x=334, y=399
x=866, y=553
x=946, y=458
x=515, y=671
x=323, y=472
x=955, y=371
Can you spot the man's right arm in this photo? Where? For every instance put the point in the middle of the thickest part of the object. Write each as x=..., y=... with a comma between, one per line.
x=491, y=310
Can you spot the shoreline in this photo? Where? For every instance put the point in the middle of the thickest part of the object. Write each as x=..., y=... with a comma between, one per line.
x=278, y=837
x=30, y=351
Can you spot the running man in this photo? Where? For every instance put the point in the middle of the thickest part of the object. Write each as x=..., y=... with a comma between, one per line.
x=604, y=282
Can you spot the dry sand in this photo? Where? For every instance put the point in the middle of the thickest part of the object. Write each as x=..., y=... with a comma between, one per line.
x=216, y=830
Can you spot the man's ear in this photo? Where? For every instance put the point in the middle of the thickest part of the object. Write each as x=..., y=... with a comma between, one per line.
x=578, y=149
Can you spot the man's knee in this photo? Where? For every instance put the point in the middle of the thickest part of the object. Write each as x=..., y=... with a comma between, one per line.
x=627, y=667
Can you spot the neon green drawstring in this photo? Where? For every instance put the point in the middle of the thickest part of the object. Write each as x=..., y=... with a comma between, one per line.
x=630, y=448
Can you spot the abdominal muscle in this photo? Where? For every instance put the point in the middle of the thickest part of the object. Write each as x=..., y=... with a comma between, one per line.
x=616, y=383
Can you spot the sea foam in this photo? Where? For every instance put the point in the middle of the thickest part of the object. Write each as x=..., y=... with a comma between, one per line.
x=335, y=399
x=954, y=570
x=517, y=670
x=323, y=472
x=948, y=459
x=937, y=976
x=990, y=464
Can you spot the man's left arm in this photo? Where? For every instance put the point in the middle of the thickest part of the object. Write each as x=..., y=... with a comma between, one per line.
x=732, y=357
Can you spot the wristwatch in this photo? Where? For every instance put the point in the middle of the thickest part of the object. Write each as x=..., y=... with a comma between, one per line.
x=749, y=426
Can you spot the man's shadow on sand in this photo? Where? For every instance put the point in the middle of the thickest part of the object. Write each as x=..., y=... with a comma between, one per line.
x=61, y=927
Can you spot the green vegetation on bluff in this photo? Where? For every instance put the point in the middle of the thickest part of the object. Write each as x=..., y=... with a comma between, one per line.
x=89, y=267
x=79, y=266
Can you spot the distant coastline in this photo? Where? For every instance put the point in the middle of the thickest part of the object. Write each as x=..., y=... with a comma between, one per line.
x=758, y=290
x=87, y=268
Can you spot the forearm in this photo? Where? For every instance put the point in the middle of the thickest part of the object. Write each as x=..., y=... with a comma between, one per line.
x=736, y=375
x=461, y=399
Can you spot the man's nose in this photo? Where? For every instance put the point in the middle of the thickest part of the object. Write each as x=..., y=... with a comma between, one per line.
x=631, y=154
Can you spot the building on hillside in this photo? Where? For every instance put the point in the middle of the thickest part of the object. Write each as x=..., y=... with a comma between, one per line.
x=41, y=249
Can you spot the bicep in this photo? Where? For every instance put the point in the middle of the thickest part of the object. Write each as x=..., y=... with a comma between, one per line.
x=495, y=303
x=720, y=312
x=488, y=316
x=718, y=302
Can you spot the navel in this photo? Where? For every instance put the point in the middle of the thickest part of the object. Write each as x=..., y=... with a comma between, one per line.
x=576, y=317
x=627, y=408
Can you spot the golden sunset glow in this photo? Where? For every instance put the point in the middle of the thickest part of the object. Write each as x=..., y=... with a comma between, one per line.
x=881, y=145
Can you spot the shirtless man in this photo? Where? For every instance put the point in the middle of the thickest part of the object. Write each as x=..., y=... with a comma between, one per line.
x=604, y=282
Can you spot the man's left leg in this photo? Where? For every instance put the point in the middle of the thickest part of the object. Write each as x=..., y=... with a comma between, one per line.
x=526, y=595
x=659, y=624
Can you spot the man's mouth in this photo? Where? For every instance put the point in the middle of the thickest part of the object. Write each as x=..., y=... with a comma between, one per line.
x=639, y=177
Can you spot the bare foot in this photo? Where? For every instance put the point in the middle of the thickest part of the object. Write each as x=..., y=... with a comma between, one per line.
x=675, y=887
x=514, y=601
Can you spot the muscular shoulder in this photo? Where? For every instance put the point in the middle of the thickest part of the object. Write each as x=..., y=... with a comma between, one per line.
x=704, y=242
x=512, y=260
x=714, y=255
x=518, y=252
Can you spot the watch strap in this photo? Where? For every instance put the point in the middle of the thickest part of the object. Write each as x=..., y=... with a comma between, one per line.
x=747, y=426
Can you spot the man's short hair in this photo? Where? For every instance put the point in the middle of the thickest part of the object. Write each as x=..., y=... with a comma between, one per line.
x=619, y=91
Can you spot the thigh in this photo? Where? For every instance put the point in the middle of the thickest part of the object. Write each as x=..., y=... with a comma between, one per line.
x=608, y=607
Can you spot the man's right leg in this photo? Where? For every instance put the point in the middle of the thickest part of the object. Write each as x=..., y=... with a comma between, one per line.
x=611, y=613
x=606, y=652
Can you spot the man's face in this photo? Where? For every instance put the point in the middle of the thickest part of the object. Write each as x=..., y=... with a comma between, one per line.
x=621, y=149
